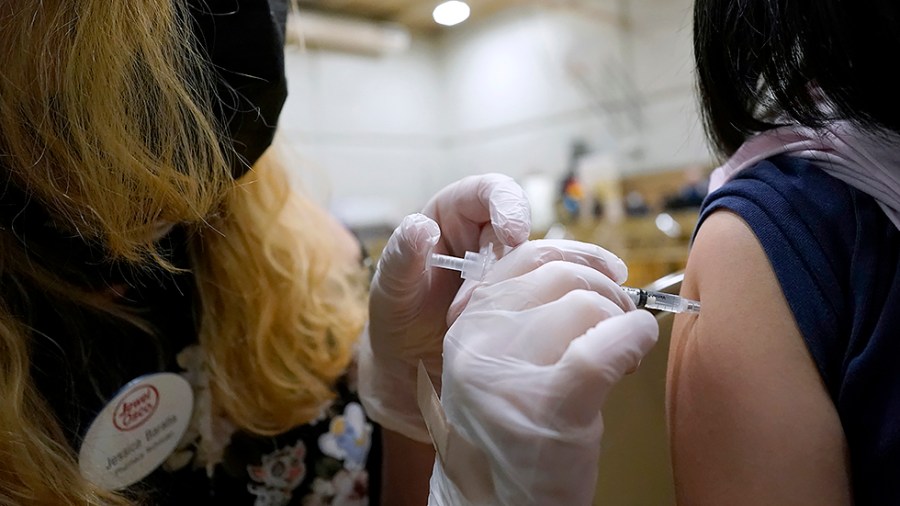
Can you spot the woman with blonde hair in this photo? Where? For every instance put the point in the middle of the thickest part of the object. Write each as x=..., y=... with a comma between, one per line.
x=176, y=327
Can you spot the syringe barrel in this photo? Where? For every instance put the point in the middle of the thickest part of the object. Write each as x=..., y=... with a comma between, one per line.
x=664, y=302
x=476, y=265
x=638, y=296
x=661, y=301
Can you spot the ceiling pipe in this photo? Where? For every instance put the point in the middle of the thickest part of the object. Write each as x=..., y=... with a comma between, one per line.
x=312, y=29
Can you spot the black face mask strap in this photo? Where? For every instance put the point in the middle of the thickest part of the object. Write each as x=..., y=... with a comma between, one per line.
x=244, y=39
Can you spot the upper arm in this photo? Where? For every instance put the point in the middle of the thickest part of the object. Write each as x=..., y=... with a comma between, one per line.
x=750, y=420
x=406, y=470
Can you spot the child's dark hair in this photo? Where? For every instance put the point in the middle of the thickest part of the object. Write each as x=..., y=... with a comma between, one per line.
x=762, y=63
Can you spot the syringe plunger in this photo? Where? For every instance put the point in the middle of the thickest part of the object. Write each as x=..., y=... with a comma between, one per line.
x=473, y=266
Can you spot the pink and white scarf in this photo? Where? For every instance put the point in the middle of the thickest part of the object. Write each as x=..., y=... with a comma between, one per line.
x=868, y=161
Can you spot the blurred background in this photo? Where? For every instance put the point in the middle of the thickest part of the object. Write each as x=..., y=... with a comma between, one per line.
x=588, y=104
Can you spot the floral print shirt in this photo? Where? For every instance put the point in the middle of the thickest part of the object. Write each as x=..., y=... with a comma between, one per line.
x=325, y=462
x=333, y=460
x=81, y=359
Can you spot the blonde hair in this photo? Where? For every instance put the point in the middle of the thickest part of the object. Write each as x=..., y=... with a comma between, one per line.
x=283, y=303
x=116, y=91
x=106, y=124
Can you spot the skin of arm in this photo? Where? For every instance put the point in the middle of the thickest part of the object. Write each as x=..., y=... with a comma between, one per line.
x=406, y=470
x=750, y=420
x=406, y=464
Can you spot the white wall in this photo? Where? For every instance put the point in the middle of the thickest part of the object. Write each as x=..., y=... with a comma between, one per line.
x=366, y=127
x=506, y=94
x=513, y=102
x=663, y=73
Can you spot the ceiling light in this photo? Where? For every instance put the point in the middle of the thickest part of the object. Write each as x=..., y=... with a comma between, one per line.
x=451, y=13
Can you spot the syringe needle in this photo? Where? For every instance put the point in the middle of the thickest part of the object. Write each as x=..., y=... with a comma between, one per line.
x=475, y=265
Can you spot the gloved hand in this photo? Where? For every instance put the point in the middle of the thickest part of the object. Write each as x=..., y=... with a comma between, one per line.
x=408, y=305
x=527, y=366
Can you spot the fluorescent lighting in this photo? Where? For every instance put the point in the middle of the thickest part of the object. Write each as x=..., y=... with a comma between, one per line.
x=451, y=13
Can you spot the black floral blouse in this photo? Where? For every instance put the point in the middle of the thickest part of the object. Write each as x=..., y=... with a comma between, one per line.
x=326, y=462
x=80, y=360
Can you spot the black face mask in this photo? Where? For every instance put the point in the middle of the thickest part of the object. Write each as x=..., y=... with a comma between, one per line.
x=244, y=39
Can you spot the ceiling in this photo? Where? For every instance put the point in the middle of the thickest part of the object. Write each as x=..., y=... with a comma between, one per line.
x=414, y=14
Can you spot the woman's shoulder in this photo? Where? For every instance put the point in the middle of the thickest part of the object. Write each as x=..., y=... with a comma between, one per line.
x=818, y=233
x=823, y=240
x=741, y=383
x=796, y=272
x=795, y=195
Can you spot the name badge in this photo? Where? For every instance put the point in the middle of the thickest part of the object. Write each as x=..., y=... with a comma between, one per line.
x=136, y=431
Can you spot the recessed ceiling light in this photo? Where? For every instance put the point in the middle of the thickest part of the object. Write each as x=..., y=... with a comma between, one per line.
x=451, y=13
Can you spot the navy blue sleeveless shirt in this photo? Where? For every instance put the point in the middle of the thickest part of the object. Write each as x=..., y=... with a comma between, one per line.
x=837, y=258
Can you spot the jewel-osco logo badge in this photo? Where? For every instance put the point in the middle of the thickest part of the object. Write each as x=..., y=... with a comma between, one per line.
x=136, y=407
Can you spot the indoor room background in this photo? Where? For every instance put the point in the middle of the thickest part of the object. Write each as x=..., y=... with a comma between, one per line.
x=589, y=104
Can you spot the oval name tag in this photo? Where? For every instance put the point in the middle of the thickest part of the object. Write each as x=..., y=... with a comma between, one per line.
x=136, y=431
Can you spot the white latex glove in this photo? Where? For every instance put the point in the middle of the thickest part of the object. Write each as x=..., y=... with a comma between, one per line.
x=408, y=305
x=527, y=367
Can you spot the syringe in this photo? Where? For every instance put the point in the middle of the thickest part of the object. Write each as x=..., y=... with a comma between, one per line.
x=661, y=301
x=475, y=266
